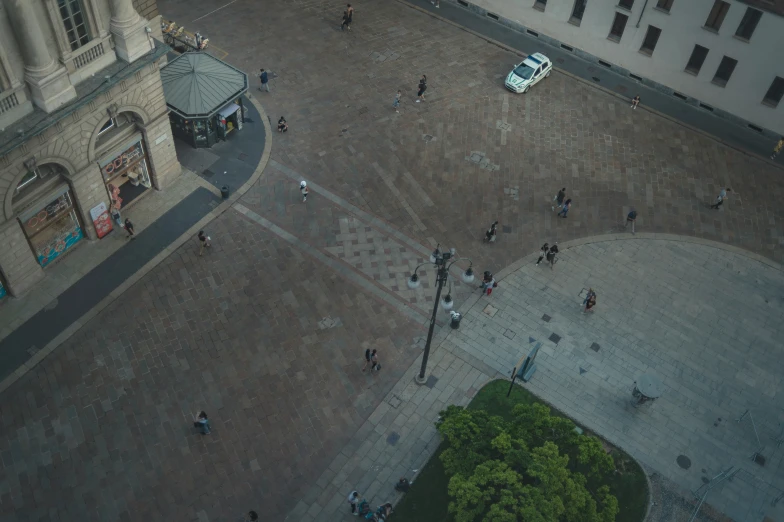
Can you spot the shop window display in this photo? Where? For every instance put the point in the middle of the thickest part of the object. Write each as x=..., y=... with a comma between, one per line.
x=53, y=229
x=127, y=176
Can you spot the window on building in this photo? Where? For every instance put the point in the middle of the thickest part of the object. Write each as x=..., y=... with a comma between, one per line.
x=724, y=71
x=717, y=14
x=651, y=38
x=578, y=11
x=540, y=4
x=697, y=58
x=74, y=22
x=626, y=4
x=775, y=93
x=618, y=25
x=106, y=126
x=664, y=5
x=748, y=23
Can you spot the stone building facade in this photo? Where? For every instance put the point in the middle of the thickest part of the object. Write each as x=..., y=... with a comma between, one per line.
x=84, y=127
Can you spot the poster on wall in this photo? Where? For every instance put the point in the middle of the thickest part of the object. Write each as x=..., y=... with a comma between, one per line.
x=101, y=219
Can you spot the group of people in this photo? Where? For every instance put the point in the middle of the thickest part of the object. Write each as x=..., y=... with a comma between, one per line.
x=361, y=507
x=548, y=252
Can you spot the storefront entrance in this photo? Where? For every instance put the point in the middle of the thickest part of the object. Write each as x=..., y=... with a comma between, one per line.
x=53, y=229
x=126, y=173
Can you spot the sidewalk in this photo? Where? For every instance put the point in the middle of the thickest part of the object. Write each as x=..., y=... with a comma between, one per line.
x=733, y=135
x=96, y=273
x=664, y=307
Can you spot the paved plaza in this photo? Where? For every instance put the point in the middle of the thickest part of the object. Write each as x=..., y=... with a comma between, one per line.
x=266, y=331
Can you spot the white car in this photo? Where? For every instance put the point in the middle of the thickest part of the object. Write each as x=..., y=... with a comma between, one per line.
x=528, y=72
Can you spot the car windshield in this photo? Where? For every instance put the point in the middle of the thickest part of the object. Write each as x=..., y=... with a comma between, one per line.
x=524, y=72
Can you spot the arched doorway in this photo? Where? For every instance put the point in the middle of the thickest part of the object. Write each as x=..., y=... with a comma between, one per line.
x=45, y=208
x=123, y=158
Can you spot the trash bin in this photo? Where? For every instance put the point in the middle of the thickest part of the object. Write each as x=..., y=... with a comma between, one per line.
x=456, y=317
x=225, y=191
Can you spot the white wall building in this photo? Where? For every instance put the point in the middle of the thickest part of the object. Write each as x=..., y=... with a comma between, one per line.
x=726, y=54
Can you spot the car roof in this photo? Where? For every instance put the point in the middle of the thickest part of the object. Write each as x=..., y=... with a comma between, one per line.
x=535, y=60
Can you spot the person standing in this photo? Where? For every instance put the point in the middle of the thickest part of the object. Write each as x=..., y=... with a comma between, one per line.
x=129, y=229
x=374, y=364
x=635, y=101
x=565, y=208
x=551, y=255
x=488, y=283
x=353, y=500
x=631, y=217
x=303, y=188
x=590, y=303
x=204, y=239
x=777, y=148
x=422, y=89
x=542, y=253
x=368, y=357
x=264, y=81
x=396, y=103
x=720, y=198
x=559, y=198
x=202, y=423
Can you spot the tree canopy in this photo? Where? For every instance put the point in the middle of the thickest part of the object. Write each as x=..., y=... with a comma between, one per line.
x=535, y=468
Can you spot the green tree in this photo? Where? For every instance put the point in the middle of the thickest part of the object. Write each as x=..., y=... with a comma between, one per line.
x=591, y=454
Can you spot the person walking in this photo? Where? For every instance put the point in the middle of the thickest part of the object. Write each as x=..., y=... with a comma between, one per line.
x=129, y=229
x=720, y=198
x=353, y=500
x=303, y=189
x=368, y=357
x=559, y=198
x=488, y=283
x=631, y=217
x=422, y=89
x=202, y=423
x=396, y=102
x=374, y=364
x=491, y=232
x=777, y=148
x=283, y=125
x=542, y=253
x=565, y=208
x=588, y=296
x=590, y=303
x=264, y=81
x=551, y=255
x=348, y=16
x=635, y=101
x=205, y=242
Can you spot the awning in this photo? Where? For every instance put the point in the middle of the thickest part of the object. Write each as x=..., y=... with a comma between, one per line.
x=229, y=110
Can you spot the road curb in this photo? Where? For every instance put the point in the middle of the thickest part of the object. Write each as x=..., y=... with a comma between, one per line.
x=166, y=252
x=598, y=87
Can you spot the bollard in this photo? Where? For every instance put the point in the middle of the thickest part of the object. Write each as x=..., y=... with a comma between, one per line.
x=225, y=191
x=456, y=317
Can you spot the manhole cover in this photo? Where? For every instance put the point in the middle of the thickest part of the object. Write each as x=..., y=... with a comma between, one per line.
x=759, y=459
x=208, y=173
x=363, y=110
x=431, y=381
x=546, y=318
x=393, y=438
x=683, y=461
x=595, y=347
x=555, y=338
x=427, y=137
x=476, y=157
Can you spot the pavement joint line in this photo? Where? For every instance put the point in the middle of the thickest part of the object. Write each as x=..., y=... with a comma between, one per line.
x=155, y=261
x=612, y=93
x=339, y=267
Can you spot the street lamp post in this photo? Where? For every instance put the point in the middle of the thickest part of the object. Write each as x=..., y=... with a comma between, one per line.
x=440, y=260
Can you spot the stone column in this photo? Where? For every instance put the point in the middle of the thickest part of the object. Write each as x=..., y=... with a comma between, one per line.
x=48, y=80
x=130, y=37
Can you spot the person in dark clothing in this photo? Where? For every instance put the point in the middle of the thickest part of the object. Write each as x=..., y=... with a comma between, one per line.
x=283, y=126
x=348, y=16
x=559, y=199
x=565, y=209
x=422, y=89
x=264, y=81
x=631, y=218
x=129, y=229
x=543, y=252
x=491, y=232
x=551, y=255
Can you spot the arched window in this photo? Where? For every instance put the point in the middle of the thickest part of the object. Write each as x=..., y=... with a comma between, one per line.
x=34, y=181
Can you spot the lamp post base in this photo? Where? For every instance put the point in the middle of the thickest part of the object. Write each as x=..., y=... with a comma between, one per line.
x=419, y=380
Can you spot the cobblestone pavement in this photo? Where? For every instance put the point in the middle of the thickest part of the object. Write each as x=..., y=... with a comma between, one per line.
x=266, y=331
